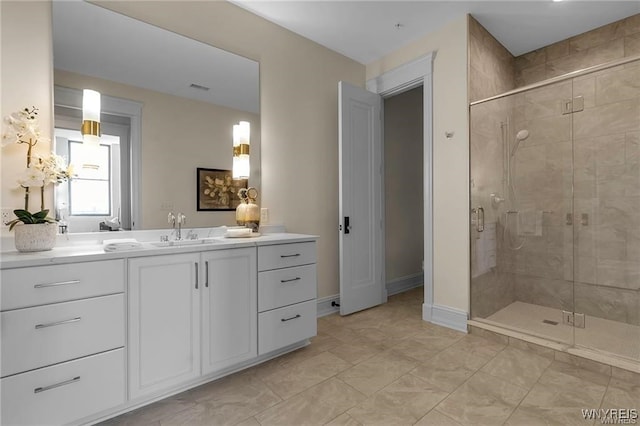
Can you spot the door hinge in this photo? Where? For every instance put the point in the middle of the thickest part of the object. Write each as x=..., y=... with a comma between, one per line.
x=569, y=106
x=573, y=318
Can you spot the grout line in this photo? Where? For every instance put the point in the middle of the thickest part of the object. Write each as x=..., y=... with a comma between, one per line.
x=605, y=391
x=529, y=391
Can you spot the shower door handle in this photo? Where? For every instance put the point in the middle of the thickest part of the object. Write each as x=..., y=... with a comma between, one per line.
x=479, y=212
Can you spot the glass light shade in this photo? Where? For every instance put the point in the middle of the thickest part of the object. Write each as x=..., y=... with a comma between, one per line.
x=241, y=167
x=244, y=132
x=241, y=159
x=90, y=105
x=91, y=140
x=91, y=118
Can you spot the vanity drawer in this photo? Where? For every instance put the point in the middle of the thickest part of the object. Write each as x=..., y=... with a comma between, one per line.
x=285, y=326
x=46, y=335
x=282, y=287
x=22, y=287
x=65, y=392
x=286, y=255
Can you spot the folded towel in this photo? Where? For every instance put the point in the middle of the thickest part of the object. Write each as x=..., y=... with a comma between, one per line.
x=238, y=232
x=121, y=244
x=530, y=223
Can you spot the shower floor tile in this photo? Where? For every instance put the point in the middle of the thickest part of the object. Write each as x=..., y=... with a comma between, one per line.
x=613, y=337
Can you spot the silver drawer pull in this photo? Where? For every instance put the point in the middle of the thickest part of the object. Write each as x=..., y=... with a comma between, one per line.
x=292, y=279
x=57, y=385
x=289, y=319
x=289, y=255
x=56, y=284
x=52, y=324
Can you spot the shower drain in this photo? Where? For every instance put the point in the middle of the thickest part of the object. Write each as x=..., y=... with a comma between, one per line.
x=550, y=322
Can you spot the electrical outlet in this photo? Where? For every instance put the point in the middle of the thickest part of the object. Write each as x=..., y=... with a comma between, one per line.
x=264, y=216
x=7, y=215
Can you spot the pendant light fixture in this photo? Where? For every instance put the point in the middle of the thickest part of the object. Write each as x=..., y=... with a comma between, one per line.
x=241, y=141
x=90, y=117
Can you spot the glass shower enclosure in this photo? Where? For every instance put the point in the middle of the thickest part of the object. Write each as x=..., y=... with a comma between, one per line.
x=555, y=197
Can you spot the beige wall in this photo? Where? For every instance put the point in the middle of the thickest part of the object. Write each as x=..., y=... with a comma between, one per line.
x=298, y=81
x=298, y=105
x=451, y=156
x=403, y=117
x=25, y=82
x=178, y=135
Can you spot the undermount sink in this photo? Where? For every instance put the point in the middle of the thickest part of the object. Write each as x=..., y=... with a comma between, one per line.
x=181, y=243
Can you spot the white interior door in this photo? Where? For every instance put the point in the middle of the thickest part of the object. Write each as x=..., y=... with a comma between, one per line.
x=361, y=199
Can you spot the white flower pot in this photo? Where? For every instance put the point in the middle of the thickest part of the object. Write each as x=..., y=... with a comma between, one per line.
x=35, y=237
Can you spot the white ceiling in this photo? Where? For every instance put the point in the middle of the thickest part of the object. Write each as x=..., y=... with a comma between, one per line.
x=90, y=40
x=366, y=30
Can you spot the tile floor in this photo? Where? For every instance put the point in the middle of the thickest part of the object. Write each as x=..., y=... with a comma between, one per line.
x=386, y=366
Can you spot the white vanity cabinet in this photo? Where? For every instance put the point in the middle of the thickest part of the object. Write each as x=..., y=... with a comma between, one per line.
x=190, y=315
x=229, y=308
x=164, y=322
x=287, y=286
x=87, y=339
x=63, y=329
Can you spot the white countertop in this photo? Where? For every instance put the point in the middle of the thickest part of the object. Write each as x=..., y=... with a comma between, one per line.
x=85, y=248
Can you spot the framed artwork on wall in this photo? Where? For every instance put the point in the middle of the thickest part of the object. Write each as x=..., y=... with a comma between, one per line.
x=217, y=191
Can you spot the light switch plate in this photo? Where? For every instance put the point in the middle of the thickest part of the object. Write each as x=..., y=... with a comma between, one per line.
x=7, y=215
x=264, y=215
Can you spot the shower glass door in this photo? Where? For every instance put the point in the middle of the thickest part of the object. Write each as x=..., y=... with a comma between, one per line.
x=607, y=211
x=522, y=228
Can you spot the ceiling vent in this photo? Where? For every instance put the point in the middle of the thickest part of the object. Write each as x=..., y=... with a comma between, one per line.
x=199, y=87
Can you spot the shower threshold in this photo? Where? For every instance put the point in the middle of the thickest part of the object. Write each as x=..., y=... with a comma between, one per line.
x=602, y=340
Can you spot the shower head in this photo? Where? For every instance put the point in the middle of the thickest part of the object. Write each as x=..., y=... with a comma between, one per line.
x=520, y=136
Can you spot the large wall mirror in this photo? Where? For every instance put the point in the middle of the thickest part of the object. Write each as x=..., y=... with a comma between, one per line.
x=169, y=104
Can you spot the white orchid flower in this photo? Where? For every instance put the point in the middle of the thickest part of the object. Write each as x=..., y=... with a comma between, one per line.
x=9, y=138
x=31, y=177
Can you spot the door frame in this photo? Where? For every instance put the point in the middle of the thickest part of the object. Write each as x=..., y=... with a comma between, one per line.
x=418, y=72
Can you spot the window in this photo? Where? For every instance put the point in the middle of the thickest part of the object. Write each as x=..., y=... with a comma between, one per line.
x=94, y=193
x=96, y=196
x=90, y=189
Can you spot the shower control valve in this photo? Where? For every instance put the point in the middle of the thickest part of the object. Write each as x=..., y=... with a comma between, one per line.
x=496, y=200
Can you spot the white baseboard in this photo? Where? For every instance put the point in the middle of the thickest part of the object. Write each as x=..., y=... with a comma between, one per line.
x=445, y=316
x=399, y=285
x=402, y=284
x=426, y=312
x=324, y=305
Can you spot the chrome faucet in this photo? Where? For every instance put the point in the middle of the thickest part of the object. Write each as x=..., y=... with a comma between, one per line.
x=182, y=220
x=171, y=219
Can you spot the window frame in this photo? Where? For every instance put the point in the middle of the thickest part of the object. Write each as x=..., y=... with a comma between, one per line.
x=109, y=180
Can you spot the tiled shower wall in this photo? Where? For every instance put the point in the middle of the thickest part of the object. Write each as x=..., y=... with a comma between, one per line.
x=491, y=72
x=605, y=44
x=604, y=174
x=491, y=66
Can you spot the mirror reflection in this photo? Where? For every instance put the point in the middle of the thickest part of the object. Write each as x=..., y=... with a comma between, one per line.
x=169, y=104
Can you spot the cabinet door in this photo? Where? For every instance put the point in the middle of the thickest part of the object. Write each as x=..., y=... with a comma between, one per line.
x=230, y=307
x=164, y=322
